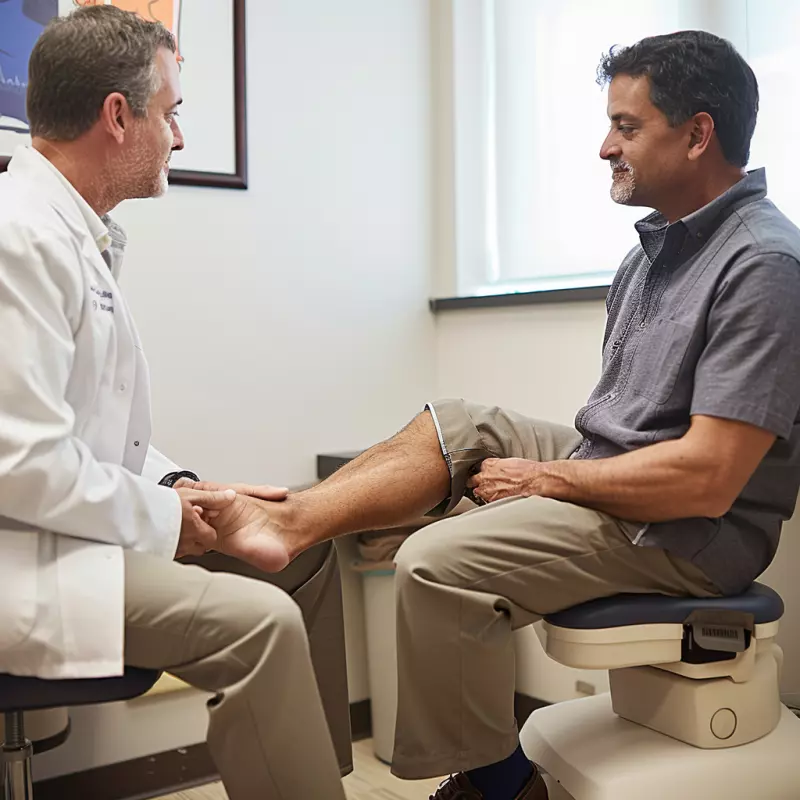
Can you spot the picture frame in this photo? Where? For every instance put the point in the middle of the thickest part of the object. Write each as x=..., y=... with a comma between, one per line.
x=211, y=38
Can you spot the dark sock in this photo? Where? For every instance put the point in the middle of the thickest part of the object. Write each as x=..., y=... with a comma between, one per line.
x=503, y=780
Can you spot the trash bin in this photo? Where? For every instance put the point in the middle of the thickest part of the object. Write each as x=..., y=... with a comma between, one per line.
x=379, y=612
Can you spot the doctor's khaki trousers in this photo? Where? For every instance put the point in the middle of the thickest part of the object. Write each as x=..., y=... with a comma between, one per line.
x=253, y=644
x=465, y=583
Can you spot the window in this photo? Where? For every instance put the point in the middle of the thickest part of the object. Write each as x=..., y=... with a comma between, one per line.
x=773, y=51
x=531, y=196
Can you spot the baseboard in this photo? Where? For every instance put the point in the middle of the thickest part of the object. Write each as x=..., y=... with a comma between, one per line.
x=137, y=779
x=360, y=720
x=177, y=770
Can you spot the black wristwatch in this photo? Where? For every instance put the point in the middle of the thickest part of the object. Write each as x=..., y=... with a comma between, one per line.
x=173, y=477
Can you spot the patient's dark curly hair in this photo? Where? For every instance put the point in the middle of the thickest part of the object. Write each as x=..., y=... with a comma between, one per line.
x=691, y=72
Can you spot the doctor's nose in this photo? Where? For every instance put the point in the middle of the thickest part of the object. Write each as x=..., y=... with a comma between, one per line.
x=177, y=136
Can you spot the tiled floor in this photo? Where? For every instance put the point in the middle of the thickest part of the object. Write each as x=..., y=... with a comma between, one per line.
x=371, y=780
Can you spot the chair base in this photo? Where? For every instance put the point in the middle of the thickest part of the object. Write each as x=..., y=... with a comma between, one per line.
x=47, y=729
x=589, y=753
x=711, y=713
x=17, y=782
x=15, y=760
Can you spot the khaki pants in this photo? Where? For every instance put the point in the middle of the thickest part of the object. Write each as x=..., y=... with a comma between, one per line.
x=252, y=644
x=467, y=582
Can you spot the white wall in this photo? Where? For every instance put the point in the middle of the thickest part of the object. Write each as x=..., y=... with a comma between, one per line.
x=543, y=361
x=290, y=319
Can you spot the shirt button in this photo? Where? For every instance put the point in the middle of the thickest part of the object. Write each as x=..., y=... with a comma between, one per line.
x=123, y=387
x=642, y=324
x=136, y=444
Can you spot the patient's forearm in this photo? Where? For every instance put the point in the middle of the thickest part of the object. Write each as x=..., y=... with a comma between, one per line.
x=661, y=482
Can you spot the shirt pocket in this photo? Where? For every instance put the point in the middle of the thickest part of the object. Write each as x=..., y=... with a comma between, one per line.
x=659, y=358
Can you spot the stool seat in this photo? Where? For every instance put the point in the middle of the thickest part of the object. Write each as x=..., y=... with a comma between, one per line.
x=764, y=604
x=32, y=694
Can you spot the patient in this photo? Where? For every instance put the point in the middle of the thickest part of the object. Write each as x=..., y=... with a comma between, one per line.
x=682, y=465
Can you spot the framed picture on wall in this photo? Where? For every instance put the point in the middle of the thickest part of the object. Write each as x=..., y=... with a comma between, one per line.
x=211, y=43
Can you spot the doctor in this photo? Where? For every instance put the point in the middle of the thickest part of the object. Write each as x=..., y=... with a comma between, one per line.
x=88, y=580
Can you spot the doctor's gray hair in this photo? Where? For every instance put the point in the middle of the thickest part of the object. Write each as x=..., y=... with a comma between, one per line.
x=82, y=58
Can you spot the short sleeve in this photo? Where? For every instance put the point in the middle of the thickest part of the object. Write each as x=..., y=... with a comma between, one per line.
x=749, y=369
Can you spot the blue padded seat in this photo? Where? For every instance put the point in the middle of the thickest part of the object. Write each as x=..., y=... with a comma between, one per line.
x=31, y=694
x=763, y=603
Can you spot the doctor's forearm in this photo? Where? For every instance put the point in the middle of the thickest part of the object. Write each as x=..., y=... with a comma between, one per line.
x=60, y=487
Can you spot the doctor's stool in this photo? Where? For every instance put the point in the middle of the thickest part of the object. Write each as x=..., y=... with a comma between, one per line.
x=21, y=694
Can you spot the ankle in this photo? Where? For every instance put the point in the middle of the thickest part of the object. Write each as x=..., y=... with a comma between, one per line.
x=504, y=779
x=303, y=523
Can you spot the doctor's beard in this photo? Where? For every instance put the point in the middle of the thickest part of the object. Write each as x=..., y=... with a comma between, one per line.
x=144, y=169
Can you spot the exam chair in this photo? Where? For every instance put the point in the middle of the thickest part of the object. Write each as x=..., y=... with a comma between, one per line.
x=694, y=709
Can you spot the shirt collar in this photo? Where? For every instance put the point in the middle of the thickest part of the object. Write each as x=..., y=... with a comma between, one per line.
x=28, y=162
x=702, y=223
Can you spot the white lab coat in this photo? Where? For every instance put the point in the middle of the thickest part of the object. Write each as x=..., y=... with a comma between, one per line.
x=74, y=434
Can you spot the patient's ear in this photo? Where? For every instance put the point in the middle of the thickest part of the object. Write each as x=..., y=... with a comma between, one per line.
x=701, y=134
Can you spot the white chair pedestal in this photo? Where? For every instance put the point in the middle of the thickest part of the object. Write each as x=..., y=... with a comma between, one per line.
x=595, y=755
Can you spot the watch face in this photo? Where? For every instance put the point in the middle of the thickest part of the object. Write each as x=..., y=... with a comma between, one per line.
x=173, y=477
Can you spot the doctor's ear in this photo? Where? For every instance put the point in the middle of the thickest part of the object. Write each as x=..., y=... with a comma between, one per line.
x=115, y=115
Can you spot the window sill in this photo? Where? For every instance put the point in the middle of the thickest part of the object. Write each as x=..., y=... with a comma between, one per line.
x=574, y=295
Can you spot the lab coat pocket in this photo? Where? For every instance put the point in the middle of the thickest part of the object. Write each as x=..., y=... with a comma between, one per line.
x=19, y=572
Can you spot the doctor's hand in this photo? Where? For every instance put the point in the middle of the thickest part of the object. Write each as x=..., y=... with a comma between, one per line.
x=197, y=535
x=263, y=492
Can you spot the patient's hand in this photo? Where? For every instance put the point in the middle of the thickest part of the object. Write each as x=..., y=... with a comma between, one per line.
x=500, y=478
x=254, y=531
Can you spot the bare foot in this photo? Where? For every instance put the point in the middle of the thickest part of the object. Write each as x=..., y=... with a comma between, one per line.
x=255, y=531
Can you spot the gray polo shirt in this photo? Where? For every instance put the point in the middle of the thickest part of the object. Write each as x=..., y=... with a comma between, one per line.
x=704, y=318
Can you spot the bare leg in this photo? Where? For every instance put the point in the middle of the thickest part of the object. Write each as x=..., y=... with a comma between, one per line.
x=389, y=484
x=392, y=482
